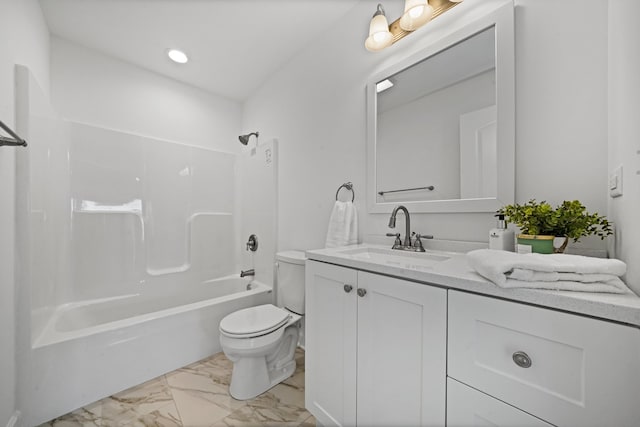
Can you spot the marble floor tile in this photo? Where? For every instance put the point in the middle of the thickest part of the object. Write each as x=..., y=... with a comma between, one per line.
x=167, y=416
x=88, y=416
x=197, y=396
x=309, y=422
x=200, y=399
x=135, y=402
x=277, y=406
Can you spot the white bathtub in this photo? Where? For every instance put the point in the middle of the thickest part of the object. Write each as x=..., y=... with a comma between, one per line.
x=92, y=349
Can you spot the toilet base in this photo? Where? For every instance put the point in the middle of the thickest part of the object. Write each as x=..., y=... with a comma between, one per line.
x=252, y=376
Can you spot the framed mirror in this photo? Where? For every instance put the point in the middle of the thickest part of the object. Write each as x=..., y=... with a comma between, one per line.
x=440, y=124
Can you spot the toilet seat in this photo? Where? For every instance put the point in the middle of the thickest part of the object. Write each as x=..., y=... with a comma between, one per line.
x=254, y=321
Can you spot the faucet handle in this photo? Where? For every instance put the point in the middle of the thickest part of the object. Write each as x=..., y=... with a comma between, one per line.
x=424, y=236
x=397, y=243
x=418, y=243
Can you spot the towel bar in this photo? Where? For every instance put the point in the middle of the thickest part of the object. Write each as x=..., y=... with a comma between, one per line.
x=430, y=188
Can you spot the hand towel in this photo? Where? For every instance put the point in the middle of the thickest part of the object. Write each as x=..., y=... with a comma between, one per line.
x=343, y=225
x=553, y=271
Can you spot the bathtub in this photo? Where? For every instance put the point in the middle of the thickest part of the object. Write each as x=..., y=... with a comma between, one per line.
x=92, y=349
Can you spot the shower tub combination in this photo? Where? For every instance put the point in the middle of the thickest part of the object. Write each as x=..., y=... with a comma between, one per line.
x=129, y=244
x=92, y=349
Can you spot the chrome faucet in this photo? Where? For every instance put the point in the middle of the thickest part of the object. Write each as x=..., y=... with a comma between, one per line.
x=407, y=223
x=406, y=246
x=250, y=272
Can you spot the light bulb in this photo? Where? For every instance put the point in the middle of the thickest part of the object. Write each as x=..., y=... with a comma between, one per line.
x=416, y=14
x=416, y=11
x=379, y=35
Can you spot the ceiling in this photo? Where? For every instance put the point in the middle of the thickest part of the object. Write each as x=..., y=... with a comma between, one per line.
x=233, y=45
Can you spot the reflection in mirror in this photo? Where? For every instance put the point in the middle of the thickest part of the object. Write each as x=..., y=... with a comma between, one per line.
x=436, y=126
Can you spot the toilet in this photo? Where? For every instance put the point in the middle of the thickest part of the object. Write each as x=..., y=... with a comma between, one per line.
x=261, y=340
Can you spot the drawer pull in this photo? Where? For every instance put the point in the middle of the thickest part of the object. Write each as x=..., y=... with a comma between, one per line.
x=522, y=359
x=348, y=288
x=362, y=292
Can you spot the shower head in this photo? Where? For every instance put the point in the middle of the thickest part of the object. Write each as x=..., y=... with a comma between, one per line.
x=244, y=139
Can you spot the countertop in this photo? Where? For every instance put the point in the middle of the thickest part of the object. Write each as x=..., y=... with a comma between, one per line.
x=455, y=273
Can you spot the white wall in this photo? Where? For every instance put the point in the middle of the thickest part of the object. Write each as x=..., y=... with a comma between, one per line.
x=24, y=39
x=315, y=105
x=624, y=128
x=92, y=88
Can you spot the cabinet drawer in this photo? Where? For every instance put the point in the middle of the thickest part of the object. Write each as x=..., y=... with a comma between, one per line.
x=582, y=371
x=467, y=407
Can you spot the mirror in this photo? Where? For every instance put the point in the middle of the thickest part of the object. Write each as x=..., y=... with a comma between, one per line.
x=441, y=124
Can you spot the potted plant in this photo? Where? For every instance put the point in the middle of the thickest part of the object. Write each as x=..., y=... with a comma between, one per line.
x=540, y=223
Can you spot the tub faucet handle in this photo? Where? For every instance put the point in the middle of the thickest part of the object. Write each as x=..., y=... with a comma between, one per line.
x=252, y=243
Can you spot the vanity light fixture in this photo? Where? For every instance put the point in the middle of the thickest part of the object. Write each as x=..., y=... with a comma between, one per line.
x=379, y=34
x=177, y=56
x=416, y=14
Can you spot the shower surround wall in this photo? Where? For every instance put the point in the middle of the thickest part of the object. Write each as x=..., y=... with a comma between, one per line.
x=138, y=204
x=142, y=216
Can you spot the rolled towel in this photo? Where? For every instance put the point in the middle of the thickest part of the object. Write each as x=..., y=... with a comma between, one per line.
x=343, y=225
x=554, y=271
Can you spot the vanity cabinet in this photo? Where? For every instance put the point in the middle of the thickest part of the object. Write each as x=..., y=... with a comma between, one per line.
x=390, y=352
x=375, y=349
x=565, y=369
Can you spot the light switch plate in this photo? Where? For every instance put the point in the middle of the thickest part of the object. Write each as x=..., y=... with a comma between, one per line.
x=615, y=182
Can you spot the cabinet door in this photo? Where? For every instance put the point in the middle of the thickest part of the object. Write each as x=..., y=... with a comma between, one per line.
x=467, y=407
x=330, y=360
x=401, y=352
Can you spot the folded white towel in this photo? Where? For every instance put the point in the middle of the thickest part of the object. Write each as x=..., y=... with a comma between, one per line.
x=343, y=225
x=613, y=286
x=554, y=276
x=553, y=271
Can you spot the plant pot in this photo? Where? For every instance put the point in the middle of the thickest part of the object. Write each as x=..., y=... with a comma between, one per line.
x=541, y=244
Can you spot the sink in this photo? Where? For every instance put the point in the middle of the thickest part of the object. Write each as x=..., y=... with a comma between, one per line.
x=394, y=256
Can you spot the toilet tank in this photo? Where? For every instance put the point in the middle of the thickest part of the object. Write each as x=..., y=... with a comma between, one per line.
x=291, y=280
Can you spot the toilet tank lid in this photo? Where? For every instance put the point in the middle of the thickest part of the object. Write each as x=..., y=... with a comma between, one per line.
x=294, y=257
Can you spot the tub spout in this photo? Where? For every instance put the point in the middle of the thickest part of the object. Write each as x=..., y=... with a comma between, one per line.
x=250, y=272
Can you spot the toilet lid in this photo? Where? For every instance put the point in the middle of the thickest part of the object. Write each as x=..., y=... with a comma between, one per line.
x=252, y=321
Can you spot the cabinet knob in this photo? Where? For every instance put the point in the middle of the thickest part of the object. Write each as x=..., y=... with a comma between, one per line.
x=348, y=288
x=362, y=292
x=521, y=359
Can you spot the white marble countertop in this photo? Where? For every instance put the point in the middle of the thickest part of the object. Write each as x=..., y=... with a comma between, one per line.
x=455, y=273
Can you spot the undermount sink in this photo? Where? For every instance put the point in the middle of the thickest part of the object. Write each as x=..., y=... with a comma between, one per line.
x=394, y=256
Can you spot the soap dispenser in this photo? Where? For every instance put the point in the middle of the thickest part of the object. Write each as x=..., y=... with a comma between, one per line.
x=501, y=238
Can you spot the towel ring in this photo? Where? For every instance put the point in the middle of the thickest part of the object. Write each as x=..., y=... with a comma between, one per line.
x=348, y=186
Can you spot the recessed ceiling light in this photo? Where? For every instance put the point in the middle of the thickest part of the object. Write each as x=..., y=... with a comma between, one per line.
x=177, y=56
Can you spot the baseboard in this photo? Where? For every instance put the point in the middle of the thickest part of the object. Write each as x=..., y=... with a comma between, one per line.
x=14, y=421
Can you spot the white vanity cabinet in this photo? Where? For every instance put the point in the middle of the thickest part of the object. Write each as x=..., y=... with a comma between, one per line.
x=375, y=349
x=566, y=369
